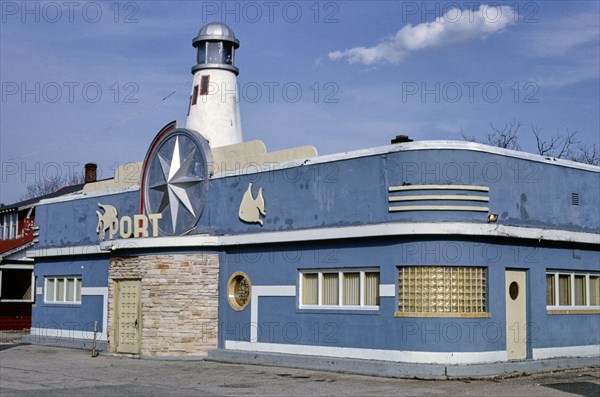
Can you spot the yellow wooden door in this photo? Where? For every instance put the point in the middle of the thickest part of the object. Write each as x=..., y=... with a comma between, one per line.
x=128, y=329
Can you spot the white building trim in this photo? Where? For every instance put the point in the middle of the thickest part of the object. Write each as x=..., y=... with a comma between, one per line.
x=15, y=266
x=320, y=234
x=566, y=351
x=102, y=291
x=70, y=333
x=376, y=230
x=66, y=334
x=372, y=354
x=66, y=251
x=261, y=291
x=80, y=195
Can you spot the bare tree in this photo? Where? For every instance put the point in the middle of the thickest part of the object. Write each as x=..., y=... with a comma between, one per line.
x=468, y=138
x=506, y=137
x=560, y=146
x=587, y=154
x=50, y=185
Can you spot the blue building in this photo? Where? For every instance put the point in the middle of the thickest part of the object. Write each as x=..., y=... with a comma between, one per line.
x=421, y=252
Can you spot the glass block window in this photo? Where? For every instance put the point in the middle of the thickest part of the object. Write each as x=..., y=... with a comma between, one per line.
x=572, y=289
x=442, y=289
x=62, y=290
x=339, y=289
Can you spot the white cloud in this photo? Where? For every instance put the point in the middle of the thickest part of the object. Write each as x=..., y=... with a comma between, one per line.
x=455, y=26
x=570, y=34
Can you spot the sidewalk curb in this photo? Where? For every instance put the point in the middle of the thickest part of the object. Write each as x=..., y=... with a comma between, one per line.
x=399, y=369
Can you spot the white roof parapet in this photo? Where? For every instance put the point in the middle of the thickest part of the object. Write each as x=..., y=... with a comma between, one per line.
x=413, y=146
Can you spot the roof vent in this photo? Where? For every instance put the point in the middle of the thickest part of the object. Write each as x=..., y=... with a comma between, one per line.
x=575, y=198
x=401, y=139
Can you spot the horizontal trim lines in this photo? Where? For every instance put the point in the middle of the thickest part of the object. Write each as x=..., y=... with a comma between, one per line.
x=430, y=193
x=438, y=187
x=439, y=208
x=573, y=311
x=438, y=197
x=203, y=242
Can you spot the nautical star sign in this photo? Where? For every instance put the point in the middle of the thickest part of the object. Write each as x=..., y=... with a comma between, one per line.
x=175, y=179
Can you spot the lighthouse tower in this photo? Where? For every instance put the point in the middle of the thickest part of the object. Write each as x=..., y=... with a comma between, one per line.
x=214, y=104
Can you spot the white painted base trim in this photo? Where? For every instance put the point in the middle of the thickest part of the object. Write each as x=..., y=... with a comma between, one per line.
x=89, y=291
x=567, y=351
x=66, y=334
x=372, y=354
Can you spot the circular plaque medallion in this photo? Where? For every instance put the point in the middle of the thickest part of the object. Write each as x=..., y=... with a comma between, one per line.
x=239, y=291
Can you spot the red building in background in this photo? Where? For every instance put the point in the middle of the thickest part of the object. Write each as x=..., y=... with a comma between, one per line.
x=17, y=236
x=16, y=270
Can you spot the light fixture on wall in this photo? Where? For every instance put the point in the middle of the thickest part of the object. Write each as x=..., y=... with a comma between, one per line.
x=492, y=218
x=111, y=247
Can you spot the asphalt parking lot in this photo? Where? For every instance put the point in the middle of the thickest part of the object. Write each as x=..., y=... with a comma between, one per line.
x=34, y=370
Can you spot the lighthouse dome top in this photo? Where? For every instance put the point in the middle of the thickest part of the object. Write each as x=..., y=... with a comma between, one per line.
x=216, y=31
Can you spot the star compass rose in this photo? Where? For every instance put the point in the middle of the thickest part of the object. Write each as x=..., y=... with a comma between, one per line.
x=175, y=180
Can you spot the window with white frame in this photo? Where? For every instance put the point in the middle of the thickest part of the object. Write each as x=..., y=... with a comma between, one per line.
x=345, y=289
x=9, y=226
x=14, y=233
x=442, y=290
x=62, y=290
x=579, y=290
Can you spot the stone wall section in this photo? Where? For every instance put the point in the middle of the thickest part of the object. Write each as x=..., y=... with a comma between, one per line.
x=179, y=302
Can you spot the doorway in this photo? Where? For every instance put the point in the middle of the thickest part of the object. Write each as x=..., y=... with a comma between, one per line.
x=516, y=314
x=128, y=315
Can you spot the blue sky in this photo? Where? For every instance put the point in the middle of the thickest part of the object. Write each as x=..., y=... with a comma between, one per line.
x=95, y=81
